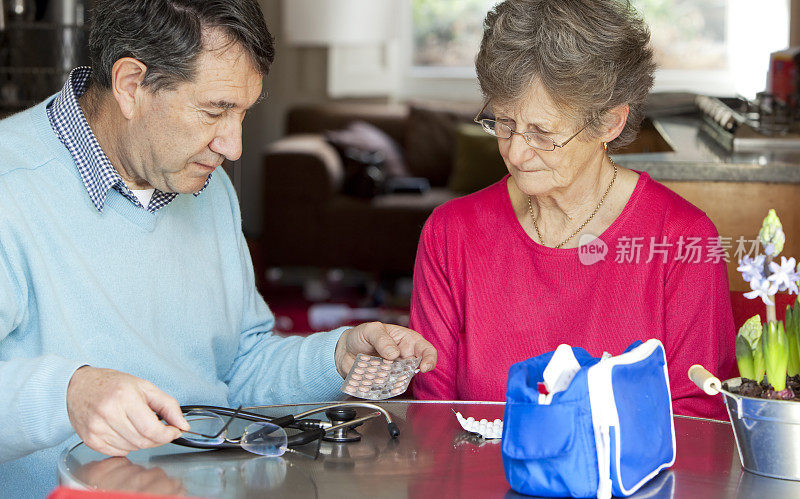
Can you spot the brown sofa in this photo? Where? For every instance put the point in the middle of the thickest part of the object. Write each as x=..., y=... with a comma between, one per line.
x=310, y=221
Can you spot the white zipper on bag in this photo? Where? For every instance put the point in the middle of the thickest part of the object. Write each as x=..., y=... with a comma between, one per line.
x=604, y=484
x=605, y=415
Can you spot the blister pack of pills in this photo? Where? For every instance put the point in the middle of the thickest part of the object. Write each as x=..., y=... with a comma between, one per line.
x=484, y=428
x=375, y=378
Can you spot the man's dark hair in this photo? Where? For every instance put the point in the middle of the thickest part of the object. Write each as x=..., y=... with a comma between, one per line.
x=167, y=36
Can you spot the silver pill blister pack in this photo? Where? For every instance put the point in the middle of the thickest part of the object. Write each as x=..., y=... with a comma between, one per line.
x=375, y=378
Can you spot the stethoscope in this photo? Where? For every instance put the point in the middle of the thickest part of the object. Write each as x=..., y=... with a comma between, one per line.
x=341, y=415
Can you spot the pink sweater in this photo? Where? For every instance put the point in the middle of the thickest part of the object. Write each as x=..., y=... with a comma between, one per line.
x=487, y=296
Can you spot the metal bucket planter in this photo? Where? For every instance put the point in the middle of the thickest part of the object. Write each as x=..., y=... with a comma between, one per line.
x=767, y=432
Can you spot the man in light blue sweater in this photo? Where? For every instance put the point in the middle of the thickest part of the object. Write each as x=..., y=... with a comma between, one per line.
x=126, y=287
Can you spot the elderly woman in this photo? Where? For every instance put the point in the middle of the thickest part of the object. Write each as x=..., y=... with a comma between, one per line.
x=569, y=247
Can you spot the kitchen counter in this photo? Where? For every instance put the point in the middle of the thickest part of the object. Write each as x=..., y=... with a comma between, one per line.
x=697, y=157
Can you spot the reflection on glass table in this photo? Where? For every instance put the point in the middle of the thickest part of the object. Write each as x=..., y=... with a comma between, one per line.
x=433, y=456
x=375, y=462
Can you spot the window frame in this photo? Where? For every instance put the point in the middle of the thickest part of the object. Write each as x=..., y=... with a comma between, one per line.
x=459, y=83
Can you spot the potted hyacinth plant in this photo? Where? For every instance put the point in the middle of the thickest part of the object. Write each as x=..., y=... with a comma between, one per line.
x=761, y=402
x=768, y=354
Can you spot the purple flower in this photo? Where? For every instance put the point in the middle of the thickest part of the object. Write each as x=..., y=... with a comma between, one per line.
x=761, y=287
x=784, y=276
x=751, y=268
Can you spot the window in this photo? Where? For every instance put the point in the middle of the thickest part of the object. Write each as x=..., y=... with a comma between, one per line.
x=708, y=46
x=447, y=33
x=687, y=35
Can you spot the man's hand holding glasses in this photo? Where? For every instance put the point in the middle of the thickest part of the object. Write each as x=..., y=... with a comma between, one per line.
x=116, y=413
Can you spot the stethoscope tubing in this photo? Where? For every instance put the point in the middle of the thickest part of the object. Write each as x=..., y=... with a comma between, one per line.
x=288, y=421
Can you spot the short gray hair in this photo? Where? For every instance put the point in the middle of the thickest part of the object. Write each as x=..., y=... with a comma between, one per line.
x=167, y=36
x=589, y=56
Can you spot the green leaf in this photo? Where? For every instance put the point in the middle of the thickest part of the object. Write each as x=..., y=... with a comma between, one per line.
x=792, y=345
x=750, y=334
x=744, y=358
x=751, y=331
x=776, y=354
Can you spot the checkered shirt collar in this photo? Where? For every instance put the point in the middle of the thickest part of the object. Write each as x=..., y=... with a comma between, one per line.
x=98, y=175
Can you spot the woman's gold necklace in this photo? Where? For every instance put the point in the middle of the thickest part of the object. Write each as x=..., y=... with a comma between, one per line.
x=577, y=231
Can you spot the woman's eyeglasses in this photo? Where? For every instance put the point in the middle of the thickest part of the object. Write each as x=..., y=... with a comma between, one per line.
x=210, y=429
x=536, y=140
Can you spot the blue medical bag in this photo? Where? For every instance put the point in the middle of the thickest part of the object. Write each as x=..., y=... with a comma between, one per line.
x=608, y=432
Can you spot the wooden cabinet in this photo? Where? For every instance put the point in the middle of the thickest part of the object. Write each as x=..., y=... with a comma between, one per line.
x=738, y=208
x=648, y=140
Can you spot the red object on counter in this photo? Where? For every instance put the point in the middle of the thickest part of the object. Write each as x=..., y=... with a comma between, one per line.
x=782, y=78
x=67, y=493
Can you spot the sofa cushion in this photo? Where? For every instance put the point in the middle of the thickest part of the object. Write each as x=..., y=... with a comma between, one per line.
x=303, y=156
x=477, y=162
x=362, y=137
x=369, y=156
x=430, y=139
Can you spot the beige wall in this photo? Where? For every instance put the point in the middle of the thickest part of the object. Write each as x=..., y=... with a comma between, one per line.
x=298, y=75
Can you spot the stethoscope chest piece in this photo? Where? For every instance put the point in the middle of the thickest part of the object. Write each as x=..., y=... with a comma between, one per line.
x=345, y=434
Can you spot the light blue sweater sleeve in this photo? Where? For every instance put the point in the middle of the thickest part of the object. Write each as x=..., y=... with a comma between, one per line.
x=33, y=412
x=34, y=409
x=271, y=369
